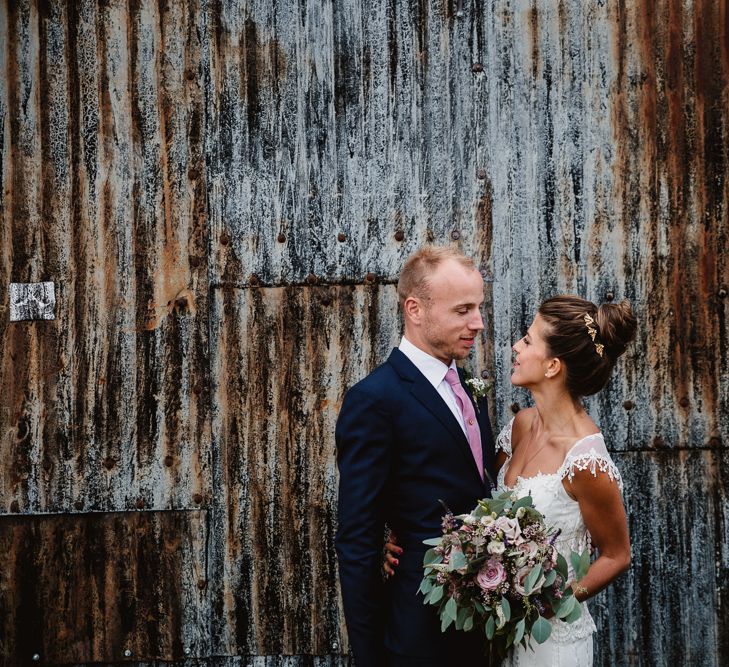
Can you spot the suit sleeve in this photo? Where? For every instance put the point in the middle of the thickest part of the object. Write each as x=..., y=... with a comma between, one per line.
x=364, y=444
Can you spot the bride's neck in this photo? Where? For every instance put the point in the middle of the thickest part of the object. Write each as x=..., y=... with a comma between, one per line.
x=557, y=412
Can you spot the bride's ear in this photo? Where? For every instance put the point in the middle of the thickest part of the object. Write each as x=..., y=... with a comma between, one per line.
x=554, y=368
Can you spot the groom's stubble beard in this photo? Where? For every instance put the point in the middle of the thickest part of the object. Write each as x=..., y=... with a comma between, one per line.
x=438, y=342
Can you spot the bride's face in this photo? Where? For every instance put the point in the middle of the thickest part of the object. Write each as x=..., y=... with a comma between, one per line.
x=531, y=356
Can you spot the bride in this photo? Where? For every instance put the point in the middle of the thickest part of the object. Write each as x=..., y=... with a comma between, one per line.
x=555, y=452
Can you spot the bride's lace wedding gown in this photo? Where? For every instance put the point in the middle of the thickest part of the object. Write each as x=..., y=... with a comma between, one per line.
x=569, y=645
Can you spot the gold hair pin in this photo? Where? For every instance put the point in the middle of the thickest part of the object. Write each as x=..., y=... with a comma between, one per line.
x=593, y=332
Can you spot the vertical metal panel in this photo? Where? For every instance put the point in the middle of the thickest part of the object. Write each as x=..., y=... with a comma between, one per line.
x=89, y=588
x=329, y=118
x=103, y=194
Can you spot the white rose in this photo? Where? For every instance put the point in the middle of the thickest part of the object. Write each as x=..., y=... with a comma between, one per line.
x=486, y=520
x=520, y=512
x=496, y=547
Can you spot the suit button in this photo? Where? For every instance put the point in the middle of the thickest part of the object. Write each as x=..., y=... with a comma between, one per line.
x=470, y=421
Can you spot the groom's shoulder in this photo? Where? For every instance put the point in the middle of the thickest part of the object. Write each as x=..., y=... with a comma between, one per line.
x=380, y=379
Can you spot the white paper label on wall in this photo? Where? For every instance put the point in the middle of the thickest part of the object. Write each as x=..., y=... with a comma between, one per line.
x=32, y=301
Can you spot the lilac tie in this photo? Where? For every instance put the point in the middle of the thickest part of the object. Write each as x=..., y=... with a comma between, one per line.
x=469, y=417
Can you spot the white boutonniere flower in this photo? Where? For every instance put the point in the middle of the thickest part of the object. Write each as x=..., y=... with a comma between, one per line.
x=478, y=389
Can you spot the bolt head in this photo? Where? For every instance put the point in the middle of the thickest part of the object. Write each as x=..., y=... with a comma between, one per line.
x=370, y=278
x=139, y=504
x=224, y=239
x=127, y=654
x=515, y=407
x=341, y=237
x=485, y=374
x=481, y=174
x=197, y=498
x=281, y=237
x=628, y=405
x=399, y=235
x=722, y=293
x=311, y=279
x=36, y=657
x=455, y=235
x=253, y=280
x=609, y=296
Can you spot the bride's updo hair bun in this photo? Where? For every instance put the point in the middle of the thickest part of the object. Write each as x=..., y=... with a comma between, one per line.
x=587, y=339
x=617, y=326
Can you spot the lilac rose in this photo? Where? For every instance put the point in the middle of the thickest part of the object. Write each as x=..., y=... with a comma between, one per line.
x=490, y=575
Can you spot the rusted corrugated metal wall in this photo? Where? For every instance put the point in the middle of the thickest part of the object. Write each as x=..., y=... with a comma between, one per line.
x=223, y=193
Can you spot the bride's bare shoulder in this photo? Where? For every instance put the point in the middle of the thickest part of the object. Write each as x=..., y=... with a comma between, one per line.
x=522, y=423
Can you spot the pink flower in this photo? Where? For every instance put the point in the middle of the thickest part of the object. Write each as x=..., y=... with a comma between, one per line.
x=490, y=575
x=521, y=575
x=510, y=528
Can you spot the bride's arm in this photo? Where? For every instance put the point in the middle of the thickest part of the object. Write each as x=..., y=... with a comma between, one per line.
x=602, y=510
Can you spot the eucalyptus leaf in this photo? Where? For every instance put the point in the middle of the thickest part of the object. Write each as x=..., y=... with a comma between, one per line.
x=490, y=628
x=574, y=614
x=458, y=561
x=506, y=608
x=479, y=607
x=584, y=565
x=461, y=618
x=532, y=578
x=562, y=567
x=426, y=585
x=451, y=609
x=431, y=557
x=549, y=578
x=436, y=594
x=565, y=607
x=519, y=631
x=541, y=630
x=433, y=541
x=522, y=502
x=468, y=623
x=444, y=623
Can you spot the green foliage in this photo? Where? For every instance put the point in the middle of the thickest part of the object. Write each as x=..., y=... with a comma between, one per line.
x=541, y=630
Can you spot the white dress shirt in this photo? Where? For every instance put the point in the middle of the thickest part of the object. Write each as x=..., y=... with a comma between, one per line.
x=435, y=371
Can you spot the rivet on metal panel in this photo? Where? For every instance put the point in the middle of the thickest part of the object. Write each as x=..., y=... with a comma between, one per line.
x=78, y=505
x=197, y=498
x=341, y=237
x=481, y=174
x=476, y=68
x=254, y=280
x=36, y=657
x=202, y=584
x=628, y=405
x=326, y=299
x=139, y=504
x=722, y=293
x=335, y=646
x=169, y=460
x=281, y=238
x=684, y=402
x=190, y=74
x=194, y=261
x=197, y=388
x=224, y=239
x=515, y=407
x=455, y=235
x=658, y=441
x=370, y=278
x=15, y=507
x=609, y=296
x=193, y=174
x=399, y=235
x=715, y=442
x=128, y=653
x=312, y=279
x=485, y=374
x=108, y=463
x=188, y=650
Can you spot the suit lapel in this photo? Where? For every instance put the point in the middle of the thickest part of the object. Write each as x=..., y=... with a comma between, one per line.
x=433, y=402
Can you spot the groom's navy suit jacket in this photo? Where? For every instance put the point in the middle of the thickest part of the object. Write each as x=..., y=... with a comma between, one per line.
x=400, y=450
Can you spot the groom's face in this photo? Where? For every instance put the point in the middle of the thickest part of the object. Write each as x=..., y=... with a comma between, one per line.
x=452, y=313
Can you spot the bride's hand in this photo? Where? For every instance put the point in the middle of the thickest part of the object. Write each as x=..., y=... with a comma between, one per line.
x=390, y=553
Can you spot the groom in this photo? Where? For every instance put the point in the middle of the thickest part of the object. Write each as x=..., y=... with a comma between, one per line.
x=408, y=435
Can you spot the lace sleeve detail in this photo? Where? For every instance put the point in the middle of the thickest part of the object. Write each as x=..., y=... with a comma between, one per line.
x=591, y=454
x=503, y=441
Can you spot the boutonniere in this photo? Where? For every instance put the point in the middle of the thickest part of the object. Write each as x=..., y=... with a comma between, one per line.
x=477, y=387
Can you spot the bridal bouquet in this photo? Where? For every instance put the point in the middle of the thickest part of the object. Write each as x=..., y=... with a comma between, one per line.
x=497, y=570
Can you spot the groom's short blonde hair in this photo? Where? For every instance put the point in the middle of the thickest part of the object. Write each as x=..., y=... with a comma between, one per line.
x=420, y=266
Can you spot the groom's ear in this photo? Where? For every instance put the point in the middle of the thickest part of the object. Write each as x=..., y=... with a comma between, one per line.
x=413, y=309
